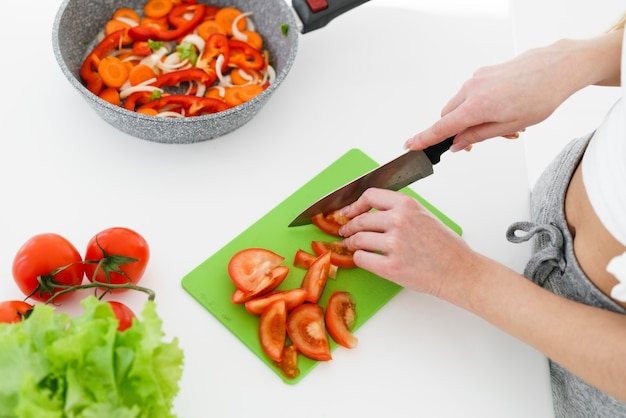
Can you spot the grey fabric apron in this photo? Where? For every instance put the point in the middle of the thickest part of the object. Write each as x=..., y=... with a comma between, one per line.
x=554, y=266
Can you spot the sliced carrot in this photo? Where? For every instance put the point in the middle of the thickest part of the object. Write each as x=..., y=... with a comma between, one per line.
x=226, y=16
x=127, y=13
x=114, y=25
x=113, y=71
x=214, y=93
x=140, y=73
x=249, y=92
x=111, y=95
x=237, y=95
x=240, y=76
x=254, y=39
x=158, y=8
x=160, y=22
x=208, y=28
x=148, y=111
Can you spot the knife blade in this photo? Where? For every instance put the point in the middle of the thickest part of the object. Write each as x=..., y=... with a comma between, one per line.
x=396, y=174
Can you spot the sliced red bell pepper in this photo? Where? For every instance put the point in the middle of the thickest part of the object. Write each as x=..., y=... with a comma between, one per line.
x=194, y=106
x=191, y=74
x=137, y=99
x=181, y=25
x=216, y=45
x=89, y=68
x=245, y=56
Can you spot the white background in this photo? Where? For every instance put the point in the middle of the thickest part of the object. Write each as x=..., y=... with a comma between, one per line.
x=370, y=80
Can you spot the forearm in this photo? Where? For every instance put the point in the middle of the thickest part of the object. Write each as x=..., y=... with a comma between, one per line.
x=589, y=342
x=595, y=61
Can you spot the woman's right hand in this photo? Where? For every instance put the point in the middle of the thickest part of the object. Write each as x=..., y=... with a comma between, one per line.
x=504, y=99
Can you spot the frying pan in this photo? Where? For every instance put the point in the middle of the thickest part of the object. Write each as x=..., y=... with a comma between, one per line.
x=78, y=22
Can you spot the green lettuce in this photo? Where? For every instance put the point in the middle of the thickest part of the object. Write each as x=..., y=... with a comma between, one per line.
x=56, y=366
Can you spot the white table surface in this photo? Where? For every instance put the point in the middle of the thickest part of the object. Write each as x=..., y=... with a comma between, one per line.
x=371, y=79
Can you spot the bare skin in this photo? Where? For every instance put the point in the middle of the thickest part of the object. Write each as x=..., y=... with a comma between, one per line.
x=402, y=237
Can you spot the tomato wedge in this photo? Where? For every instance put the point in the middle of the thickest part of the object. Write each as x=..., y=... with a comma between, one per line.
x=273, y=329
x=307, y=331
x=271, y=281
x=304, y=260
x=340, y=318
x=251, y=269
x=330, y=223
x=291, y=297
x=340, y=255
x=315, y=278
x=288, y=365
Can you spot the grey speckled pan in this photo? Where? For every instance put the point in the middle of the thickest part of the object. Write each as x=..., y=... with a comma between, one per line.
x=78, y=22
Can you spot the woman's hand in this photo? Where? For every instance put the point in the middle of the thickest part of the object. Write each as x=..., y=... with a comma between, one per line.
x=504, y=99
x=403, y=242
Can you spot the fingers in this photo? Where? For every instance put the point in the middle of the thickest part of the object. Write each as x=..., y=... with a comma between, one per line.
x=378, y=199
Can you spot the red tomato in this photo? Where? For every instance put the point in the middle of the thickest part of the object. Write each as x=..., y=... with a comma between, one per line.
x=306, y=329
x=330, y=223
x=12, y=311
x=340, y=255
x=120, y=256
x=45, y=261
x=123, y=314
x=250, y=269
x=291, y=297
x=288, y=365
x=316, y=276
x=273, y=329
x=304, y=260
x=340, y=318
x=270, y=282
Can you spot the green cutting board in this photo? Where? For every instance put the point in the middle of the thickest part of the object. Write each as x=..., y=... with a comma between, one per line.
x=210, y=284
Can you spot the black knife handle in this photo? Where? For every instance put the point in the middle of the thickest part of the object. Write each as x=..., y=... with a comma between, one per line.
x=434, y=152
x=316, y=14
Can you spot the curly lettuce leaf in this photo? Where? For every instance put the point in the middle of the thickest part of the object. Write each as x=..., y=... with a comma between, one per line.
x=56, y=366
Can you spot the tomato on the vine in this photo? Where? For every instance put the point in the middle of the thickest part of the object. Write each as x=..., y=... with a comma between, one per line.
x=45, y=265
x=123, y=314
x=307, y=331
x=116, y=255
x=341, y=317
x=340, y=255
x=12, y=311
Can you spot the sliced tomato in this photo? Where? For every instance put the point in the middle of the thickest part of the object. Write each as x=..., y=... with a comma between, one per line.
x=288, y=365
x=273, y=329
x=307, y=331
x=291, y=297
x=251, y=269
x=315, y=278
x=340, y=318
x=304, y=260
x=271, y=281
x=330, y=223
x=340, y=255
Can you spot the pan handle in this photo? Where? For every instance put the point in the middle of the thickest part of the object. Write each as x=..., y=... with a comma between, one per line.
x=315, y=14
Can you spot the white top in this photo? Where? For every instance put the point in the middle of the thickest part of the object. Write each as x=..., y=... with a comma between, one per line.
x=604, y=167
x=604, y=176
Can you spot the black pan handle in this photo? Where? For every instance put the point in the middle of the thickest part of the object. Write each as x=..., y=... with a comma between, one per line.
x=315, y=14
x=434, y=151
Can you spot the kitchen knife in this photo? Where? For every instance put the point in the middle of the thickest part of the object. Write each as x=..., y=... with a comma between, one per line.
x=315, y=14
x=396, y=174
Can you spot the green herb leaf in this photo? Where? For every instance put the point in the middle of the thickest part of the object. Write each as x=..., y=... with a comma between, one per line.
x=187, y=51
x=284, y=29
